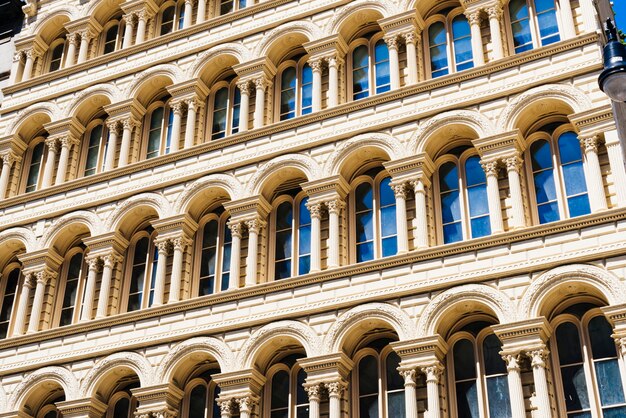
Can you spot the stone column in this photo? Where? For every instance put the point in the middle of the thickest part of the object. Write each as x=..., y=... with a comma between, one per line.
x=335, y=395
x=179, y=244
x=129, y=32
x=110, y=260
x=333, y=81
x=8, y=159
x=128, y=126
x=73, y=38
x=188, y=14
x=226, y=409
x=569, y=28
x=201, y=17
x=595, y=187
x=259, y=103
x=616, y=162
x=85, y=38
x=31, y=56
x=394, y=61
x=51, y=159
x=433, y=373
x=411, y=40
x=493, y=196
x=246, y=406
x=43, y=277
x=64, y=158
x=495, y=17
x=190, y=130
x=22, y=306
x=421, y=214
x=334, y=210
x=477, y=42
x=538, y=361
x=159, y=281
x=314, y=400
x=177, y=108
x=316, y=236
x=513, y=167
x=399, y=190
x=244, y=108
x=410, y=392
x=254, y=229
x=236, y=232
x=518, y=409
x=111, y=145
x=316, y=67
x=142, y=20
x=17, y=70
x=90, y=288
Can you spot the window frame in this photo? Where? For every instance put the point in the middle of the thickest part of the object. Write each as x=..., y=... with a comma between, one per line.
x=165, y=103
x=293, y=389
x=148, y=271
x=582, y=325
x=557, y=170
x=299, y=65
x=104, y=139
x=370, y=42
x=121, y=28
x=78, y=303
x=463, y=195
x=230, y=111
x=179, y=10
x=6, y=271
x=115, y=398
x=295, y=237
x=236, y=7
x=28, y=162
x=210, y=393
x=61, y=40
x=533, y=25
x=222, y=222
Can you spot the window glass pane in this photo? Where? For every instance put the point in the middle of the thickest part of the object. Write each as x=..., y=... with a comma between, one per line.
x=220, y=110
x=71, y=289
x=360, y=73
x=208, y=259
x=368, y=376
x=226, y=252
x=494, y=364
x=465, y=378
x=364, y=198
x=364, y=252
x=467, y=399
x=138, y=274
x=57, y=56
x=93, y=150
x=575, y=387
x=284, y=236
x=477, y=197
x=568, y=343
x=396, y=405
x=226, y=6
x=613, y=412
x=168, y=136
x=288, y=94
x=154, y=134
x=609, y=382
x=368, y=407
x=197, y=402
x=388, y=224
x=520, y=25
x=304, y=237
x=35, y=167
x=381, y=65
x=437, y=38
x=236, y=111
x=573, y=174
x=543, y=177
x=280, y=390
x=306, y=101
x=462, y=43
x=122, y=408
x=110, y=39
x=602, y=345
x=450, y=202
x=546, y=20
x=394, y=380
x=7, y=301
x=167, y=20
x=464, y=360
x=541, y=155
x=498, y=397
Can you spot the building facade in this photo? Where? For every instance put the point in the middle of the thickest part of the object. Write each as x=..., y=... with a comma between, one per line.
x=311, y=208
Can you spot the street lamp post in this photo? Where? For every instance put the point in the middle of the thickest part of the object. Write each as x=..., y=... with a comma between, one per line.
x=613, y=78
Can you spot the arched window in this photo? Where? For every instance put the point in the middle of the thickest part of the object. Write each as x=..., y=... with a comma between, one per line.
x=229, y=6
x=69, y=289
x=286, y=397
x=463, y=206
x=587, y=367
x=9, y=293
x=296, y=89
x=375, y=233
x=49, y=408
x=141, y=260
x=159, y=133
x=292, y=244
x=95, y=157
x=226, y=105
x=214, y=242
x=557, y=160
x=56, y=55
x=533, y=24
x=479, y=376
x=200, y=399
x=172, y=17
x=112, y=36
x=35, y=166
x=122, y=403
x=370, y=67
x=443, y=58
x=378, y=386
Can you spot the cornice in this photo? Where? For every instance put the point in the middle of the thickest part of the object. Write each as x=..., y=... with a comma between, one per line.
x=420, y=352
x=500, y=145
x=594, y=121
x=346, y=108
x=175, y=226
x=415, y=256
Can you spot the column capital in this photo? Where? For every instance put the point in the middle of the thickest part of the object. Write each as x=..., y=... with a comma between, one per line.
x=315, y=209
x=399, y=190
x=589, y=143
x=178, y=106
x=244, y=86
x=391, y=40
x=513, y=163
x=93, y=262
x=247, y=403
x=538, y=356
x=433, y=372
x=226, y=406
x=236, y=228
x=113, y=125
x=411, y=37
x=490, y=167
x=69, y=129
x=495, y=11
x=313, y=391
x=85, y=27
x=163, y=245
x=9, y=158
x=18, y=56
x=512, y=362
x=336, y=389
x=180, y=243
x=255, y=225
x=130, y=123
x=335, y=205
x=474, y=16
x=316, y=64
x=409, y=376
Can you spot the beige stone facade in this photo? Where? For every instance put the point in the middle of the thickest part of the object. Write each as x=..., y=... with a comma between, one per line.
x=207, y=205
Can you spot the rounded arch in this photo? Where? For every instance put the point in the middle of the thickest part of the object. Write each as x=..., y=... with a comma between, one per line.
x=48, y=25
x=279, y=169
x=101, y=9
x=90, y=100
x=212, y=62
x=573, y=279
x=281, y=39
x=19, y=237
x=72, y=224
x=194, y=198
x=26, y=122
x=143, y=204
x=274, y=335
x=360, y=147
x=368, y=315
x=59, y=376
x=353, y=14
x=150, y=81
x=458, y=122
x=565, y=98
x=445, y=308
x=129, y=361
x=174, y=367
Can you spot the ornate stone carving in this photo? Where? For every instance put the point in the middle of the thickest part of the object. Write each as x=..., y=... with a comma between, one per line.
x=399, y=190
x=513, y=163
x=255, y=225
x=236, y=229
x=411, y=37
x=52, y=144
x=490, y=168
x=313, y=392
x=538, y=357
x=433, y=372
x=163, y=246
x=316, y=65
x=113, y=126
x=335, y=206
x=315, y=210
x=180, y=243
x=244, y=87
x=474, y=18
x=9, y=158
x=136, y=362
x=336, y=389
x=212, y=346
x=247, y=403
x=589, y=143
x=512, y=362
x=495, y=12
x=409, y=376
x=261, y=83
x=391, y=41
x=226, y=406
